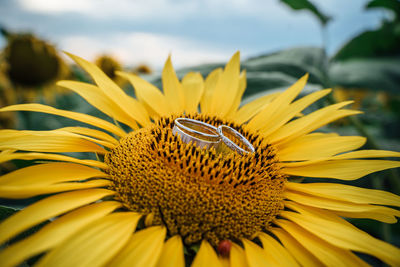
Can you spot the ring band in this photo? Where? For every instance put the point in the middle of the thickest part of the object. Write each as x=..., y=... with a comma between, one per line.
x=235, y=140
x=199, y=133
x=205, y=135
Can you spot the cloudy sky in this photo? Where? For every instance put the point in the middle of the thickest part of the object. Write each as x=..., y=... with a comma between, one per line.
x=197, y=31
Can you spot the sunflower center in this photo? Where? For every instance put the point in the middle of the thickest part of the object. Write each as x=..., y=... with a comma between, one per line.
x=196, y=192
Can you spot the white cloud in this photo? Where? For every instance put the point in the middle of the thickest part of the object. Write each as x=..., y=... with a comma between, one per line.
x=48, y=6
x=153, y=49
x=134, y=10
x=160, y=9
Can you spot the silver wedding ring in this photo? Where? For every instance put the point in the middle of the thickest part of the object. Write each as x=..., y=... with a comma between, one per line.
x=199, y=133
x=224, y=139
x=235, y=140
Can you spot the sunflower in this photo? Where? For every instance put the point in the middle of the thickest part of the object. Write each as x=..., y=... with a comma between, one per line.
x=357, y=94
x=7, y=97
x=142, y=69
x=152, y=200
x=109, y=65
x=32, y=66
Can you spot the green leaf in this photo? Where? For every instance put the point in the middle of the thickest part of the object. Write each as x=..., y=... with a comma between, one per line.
x=384, y=41
x=261, y=83
x=392, y=5
x=294, y=62
x=377, y=74
x=266, y=81
x=272, y=82
x=305, y=4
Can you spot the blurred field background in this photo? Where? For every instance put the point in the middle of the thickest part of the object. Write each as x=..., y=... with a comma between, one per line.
x=350, y=46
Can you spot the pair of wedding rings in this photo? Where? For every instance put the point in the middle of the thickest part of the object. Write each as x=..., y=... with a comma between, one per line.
x=223, y=138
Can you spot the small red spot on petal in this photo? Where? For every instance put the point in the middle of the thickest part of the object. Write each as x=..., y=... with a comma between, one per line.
x=224, y=247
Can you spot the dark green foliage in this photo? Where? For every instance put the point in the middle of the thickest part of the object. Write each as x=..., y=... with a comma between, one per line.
x=380, y=74
x=381, y=42
x=392, y=5
x=307, y=5
x=384, y=41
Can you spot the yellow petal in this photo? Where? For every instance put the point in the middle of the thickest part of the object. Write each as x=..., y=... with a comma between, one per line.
x=68, y=114
x=305, y=138
x=369, y=215
x=256, y=256
x=317, y=147
x=148, y=93
x=328, y=254
x=276, y=251
x=95, y=244
x=303, y=256
x=350, y=155
x=334, y=116
x=49, y=173
x=347, y=193
x=48, y=208
x=90, y=132
x=84, y=133
x=282, y=116
x=142, y=249
x=97, y=98
x=341, y=234
x=115, y=94
x=239, y=94
x=226, y=88
x=224, y=261
x=75, y=132
x=46, y=141
x=206, y=256
x=55, y=232
x=209, y=87
x=172, y=88
x=341, y=169
x=237, y=256
x=46, y=156
x=172, y=253
x=17, y=192
x=324, y=214
x=362, y=154
x=280, y=103
x=379, y=213
x=310, y=122
x=193, y=87
x=249, y=110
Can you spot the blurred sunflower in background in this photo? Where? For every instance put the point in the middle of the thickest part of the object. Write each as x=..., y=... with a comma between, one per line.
x=356, y=94
x=110, y=65
x=32, y=66
x=142, y=69
x=152, y=200
x=7, y=97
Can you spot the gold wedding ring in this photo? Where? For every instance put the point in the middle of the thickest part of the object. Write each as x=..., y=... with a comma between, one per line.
x=224, y=139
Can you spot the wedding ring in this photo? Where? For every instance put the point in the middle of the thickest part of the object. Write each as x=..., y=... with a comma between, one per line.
x=205, y=135
x=199, y=133
x=234, y=140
